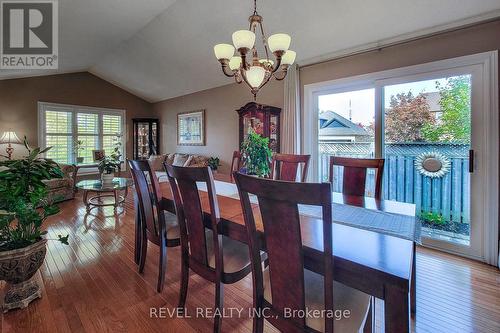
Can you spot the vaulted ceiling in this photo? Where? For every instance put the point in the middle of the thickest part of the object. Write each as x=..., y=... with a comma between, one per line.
x=158, y=49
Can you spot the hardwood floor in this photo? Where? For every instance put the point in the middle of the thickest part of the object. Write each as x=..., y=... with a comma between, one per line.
x=92, y=285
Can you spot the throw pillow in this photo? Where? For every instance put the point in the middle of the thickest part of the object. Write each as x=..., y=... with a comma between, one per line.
x=170, y=158
x=199, y=161
x=180, y=159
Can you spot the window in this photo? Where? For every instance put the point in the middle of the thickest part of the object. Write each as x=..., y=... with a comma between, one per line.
x=111, y=124
x=66, y=127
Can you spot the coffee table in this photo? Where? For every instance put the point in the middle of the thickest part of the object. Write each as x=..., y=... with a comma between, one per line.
x=94, y=165
x=104, y=190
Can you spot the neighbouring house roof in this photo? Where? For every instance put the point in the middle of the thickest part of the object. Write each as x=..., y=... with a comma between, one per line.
x=333, y=124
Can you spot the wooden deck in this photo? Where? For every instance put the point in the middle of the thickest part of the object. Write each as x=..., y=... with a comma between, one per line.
x=92, y=285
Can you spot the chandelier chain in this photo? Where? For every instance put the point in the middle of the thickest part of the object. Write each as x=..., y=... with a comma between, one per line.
x=264, y=40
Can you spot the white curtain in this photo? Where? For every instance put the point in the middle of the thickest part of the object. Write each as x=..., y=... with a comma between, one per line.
x=290, y=133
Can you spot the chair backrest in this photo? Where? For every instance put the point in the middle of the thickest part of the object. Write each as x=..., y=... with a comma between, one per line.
x=189, y=211
x=278, y=204
x=235, y=163
x=354, y=179
x=148, y=194
x=285, y=166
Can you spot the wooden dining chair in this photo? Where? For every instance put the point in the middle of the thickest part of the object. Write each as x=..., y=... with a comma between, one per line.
x=214, y=257
x=286, y=285
x=284, y=167
x=156, y=224
x=235, y=164
x=354, y=179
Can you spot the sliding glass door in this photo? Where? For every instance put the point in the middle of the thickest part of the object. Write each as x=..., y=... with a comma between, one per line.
x=427, y=141
x=431, y=123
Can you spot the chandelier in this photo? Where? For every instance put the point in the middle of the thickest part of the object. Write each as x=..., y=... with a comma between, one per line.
x=255, y=72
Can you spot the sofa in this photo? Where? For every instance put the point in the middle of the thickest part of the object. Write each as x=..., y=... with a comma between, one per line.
x=61, y=189
x=177, y=159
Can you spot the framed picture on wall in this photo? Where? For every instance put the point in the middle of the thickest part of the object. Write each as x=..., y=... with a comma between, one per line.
x=191, y=128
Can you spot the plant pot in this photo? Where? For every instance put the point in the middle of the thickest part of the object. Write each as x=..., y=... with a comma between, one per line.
x=19, y=269
x=79, y=160
x=107, y=178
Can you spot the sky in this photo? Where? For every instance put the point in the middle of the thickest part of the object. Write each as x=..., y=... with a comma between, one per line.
x=362, y=102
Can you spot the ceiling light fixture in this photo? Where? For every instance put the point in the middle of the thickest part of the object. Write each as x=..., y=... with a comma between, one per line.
x=258, y=72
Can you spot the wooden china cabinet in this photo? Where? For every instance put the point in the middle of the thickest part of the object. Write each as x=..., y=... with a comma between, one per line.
x=146, y=137
x=264, y=120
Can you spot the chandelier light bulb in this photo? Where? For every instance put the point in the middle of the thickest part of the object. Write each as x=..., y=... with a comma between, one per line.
x=223, y=51
x=288, y=58
x=255, y=75
x=279, y=42
x=235, y=63
x=243, y=39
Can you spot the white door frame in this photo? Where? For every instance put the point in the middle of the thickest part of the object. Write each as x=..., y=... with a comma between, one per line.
x=487, y=64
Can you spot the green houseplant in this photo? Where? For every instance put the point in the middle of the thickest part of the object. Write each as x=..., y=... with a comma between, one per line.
x=110, y=164
x=214, y=163
x=78, y=147
x=24, y=206
x=107, y=167
x=256, y=155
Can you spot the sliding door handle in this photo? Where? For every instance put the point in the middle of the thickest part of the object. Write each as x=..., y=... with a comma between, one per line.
x=471, y=160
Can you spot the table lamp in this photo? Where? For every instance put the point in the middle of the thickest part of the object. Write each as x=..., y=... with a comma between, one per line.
x=9, y=138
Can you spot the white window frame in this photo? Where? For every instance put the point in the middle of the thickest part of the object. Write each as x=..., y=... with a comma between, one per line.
x=488, y=64
x=74, y=110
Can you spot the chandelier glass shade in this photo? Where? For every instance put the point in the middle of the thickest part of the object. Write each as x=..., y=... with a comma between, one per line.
x=246, y=66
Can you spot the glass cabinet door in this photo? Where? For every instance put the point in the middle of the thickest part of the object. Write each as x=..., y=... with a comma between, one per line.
x=254, y=122
x=273, y=133
x=142, y=140
x=154, y=136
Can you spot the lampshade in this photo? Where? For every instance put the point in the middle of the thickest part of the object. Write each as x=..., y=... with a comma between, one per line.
x=9, y=137
x=234, y=63
x=223, y=51
x=243, y=39
x=255, y=76
x=279, y=42
x=288, y=58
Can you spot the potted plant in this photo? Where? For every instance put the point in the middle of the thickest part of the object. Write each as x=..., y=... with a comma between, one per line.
x=214, y=163
x=110, y=164
x=24, y=206
x=107, y=167
x=256, y=155
x=78, y=147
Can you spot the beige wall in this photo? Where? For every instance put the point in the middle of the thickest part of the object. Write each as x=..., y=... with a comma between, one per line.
x=220, y=103
x=220, y=106
x=476, y=39
x=19, y=97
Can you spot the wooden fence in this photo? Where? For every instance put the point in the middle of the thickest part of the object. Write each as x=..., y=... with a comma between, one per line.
x=448, y=196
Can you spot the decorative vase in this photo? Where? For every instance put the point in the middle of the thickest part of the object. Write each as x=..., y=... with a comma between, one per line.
x=19, y=269
x=79, y=160
x=107, y=178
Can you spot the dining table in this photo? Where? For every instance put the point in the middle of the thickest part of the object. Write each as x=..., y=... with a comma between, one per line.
x=379, y=262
